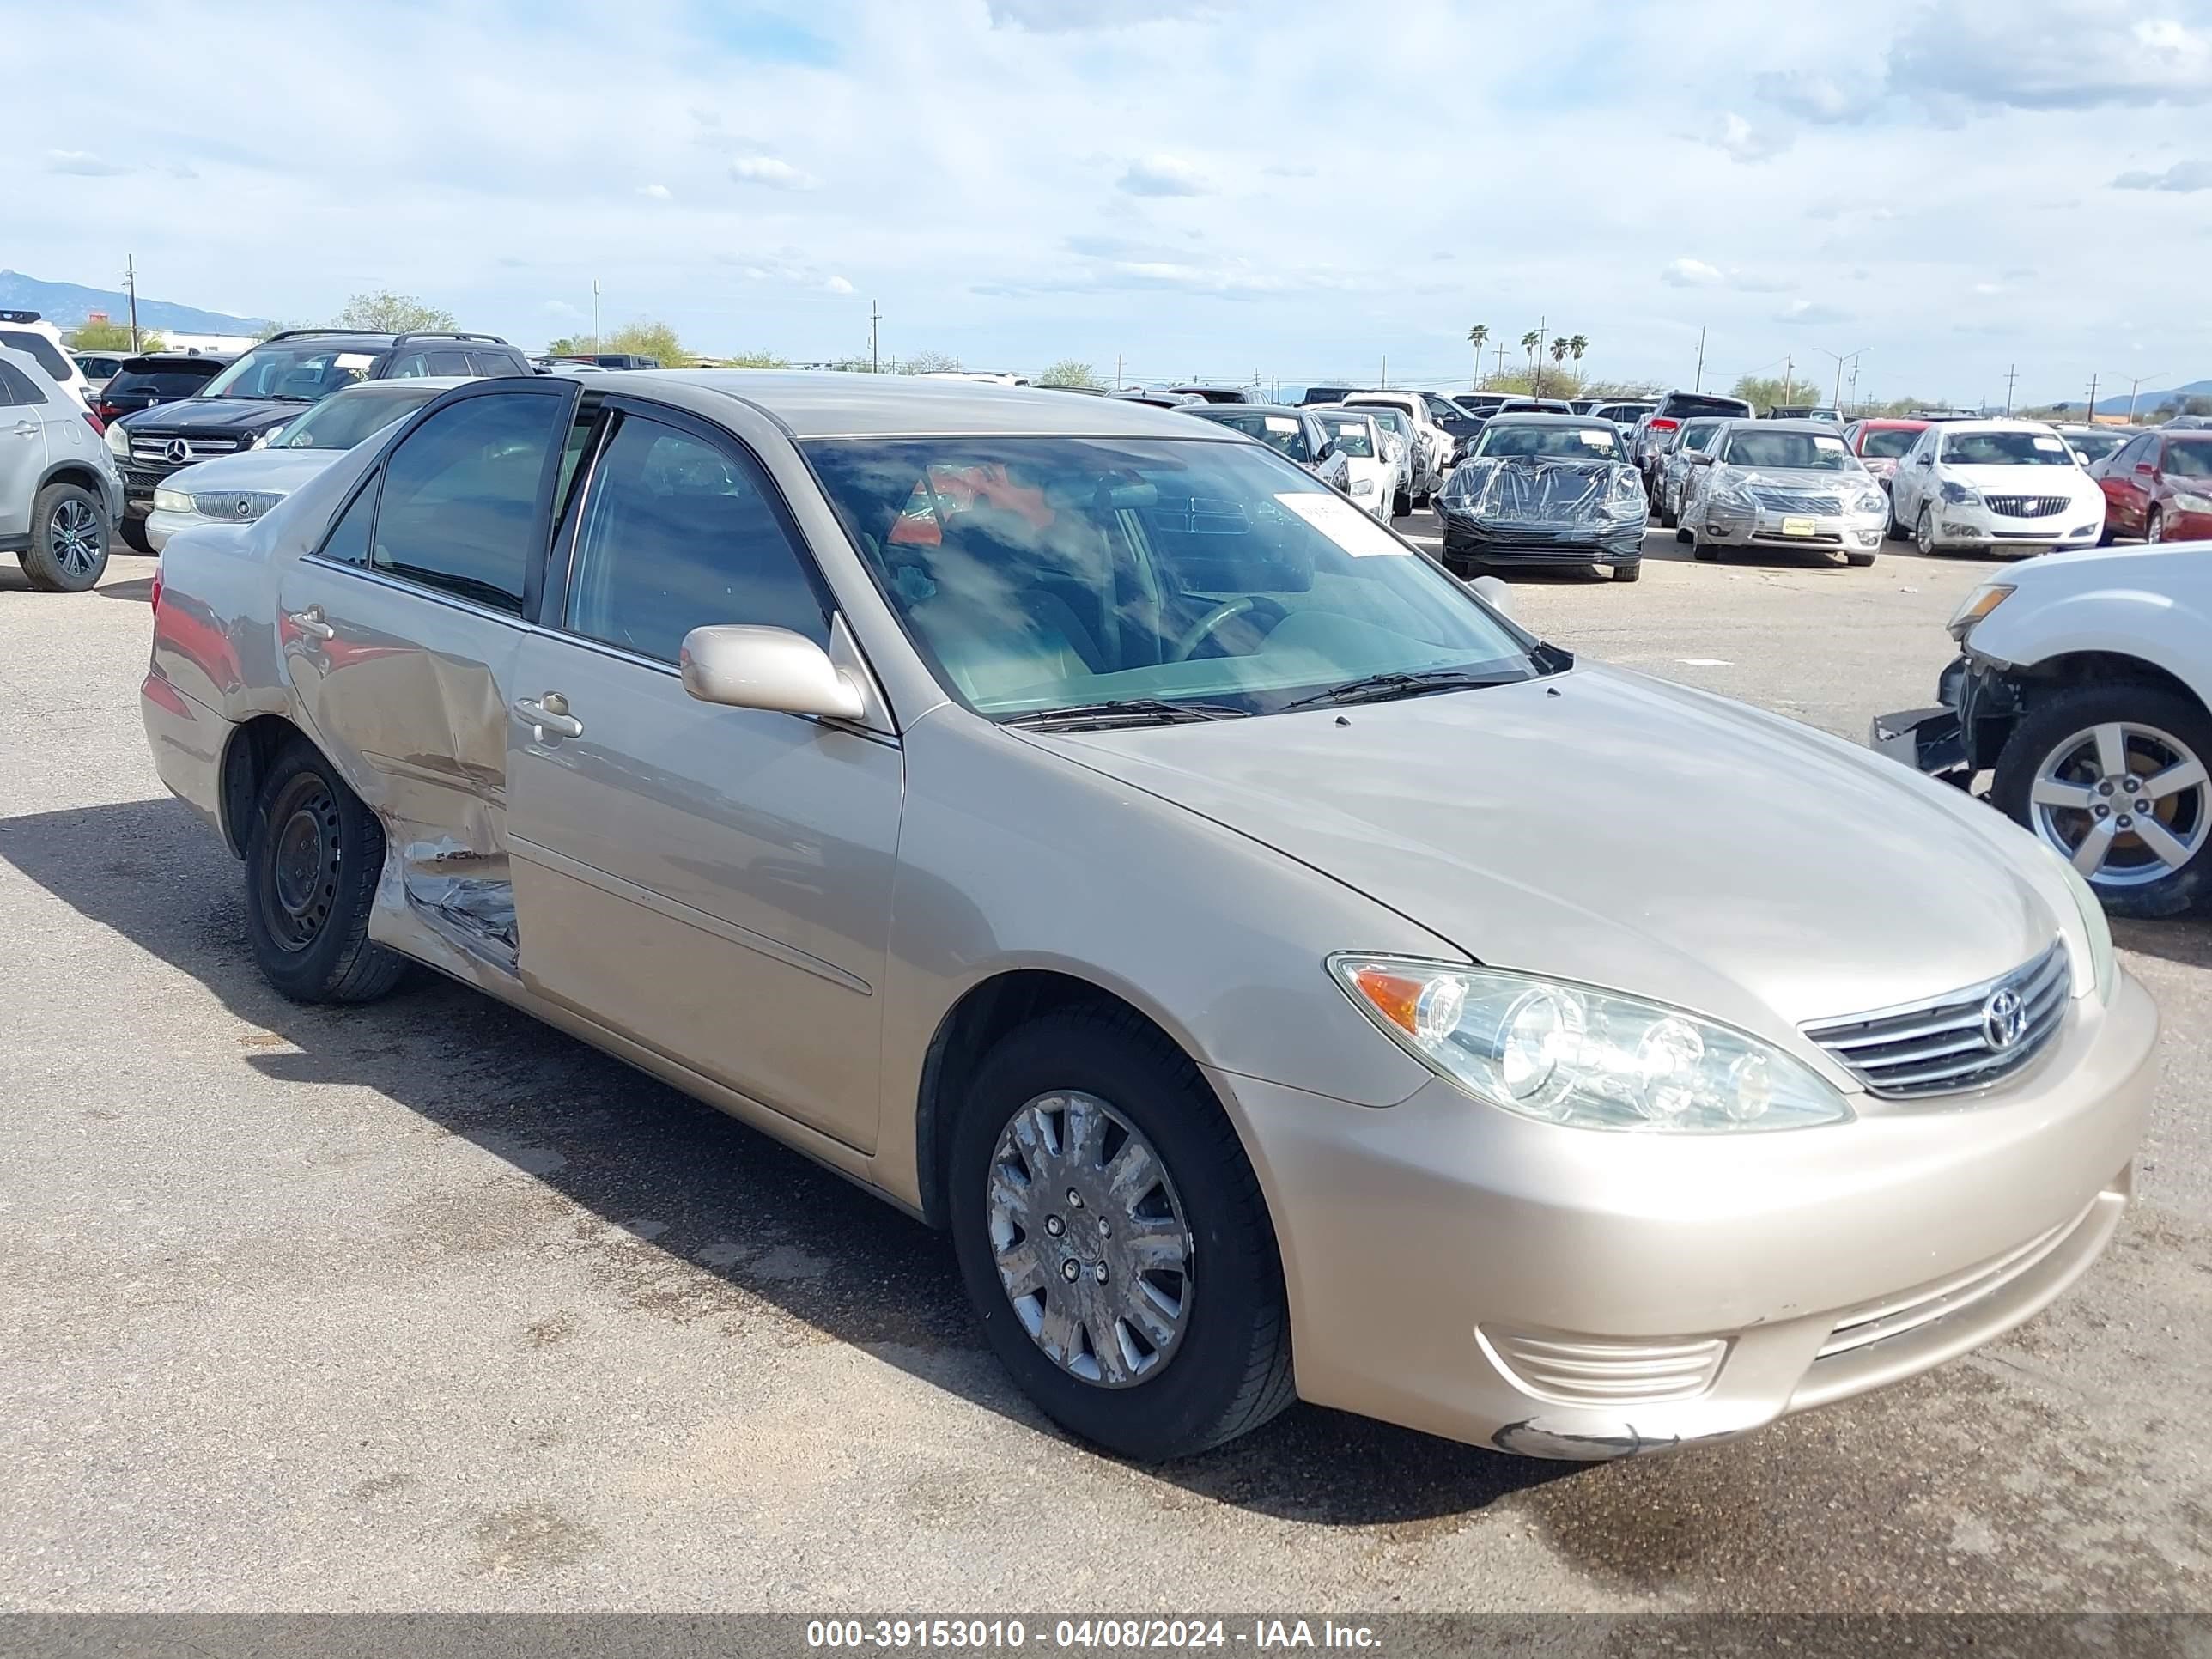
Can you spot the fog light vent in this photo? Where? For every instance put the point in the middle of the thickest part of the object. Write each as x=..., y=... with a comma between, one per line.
x=1598, y=1371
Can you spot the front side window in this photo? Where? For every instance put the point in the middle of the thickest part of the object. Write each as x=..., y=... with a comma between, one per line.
x=348, y=541
x=459, y=506
x=1176, y=570
x=678, y=533
x=2006, y=449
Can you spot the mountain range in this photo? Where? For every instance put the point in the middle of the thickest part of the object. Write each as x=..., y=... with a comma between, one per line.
x=67, y=305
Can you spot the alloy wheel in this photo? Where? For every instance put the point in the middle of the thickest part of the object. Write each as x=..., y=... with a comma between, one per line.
x=1923, y=532
x=2126, y=804
x=74, y=532
x=1088, y=1235
x=2155, y=527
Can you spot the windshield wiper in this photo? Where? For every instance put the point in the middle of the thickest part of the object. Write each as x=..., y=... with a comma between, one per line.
x=1376, y=688
x=1125, y=711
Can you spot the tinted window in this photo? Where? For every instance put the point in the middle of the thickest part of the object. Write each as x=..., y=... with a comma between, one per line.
x=482, y=361
x=341, y=422
x=1679, y=403
x=2006, y=449
x=43, y=352
x=297, y=372
x=2138, y=449
x=1888, y=441
x=459, y=506
x=678, y=534
x=2192, y=459
x=17, y=387
x=348, y=541
x=165, y=383
x=1282, y=433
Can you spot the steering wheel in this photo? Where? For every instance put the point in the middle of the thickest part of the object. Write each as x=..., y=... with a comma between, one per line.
x=1203, y=630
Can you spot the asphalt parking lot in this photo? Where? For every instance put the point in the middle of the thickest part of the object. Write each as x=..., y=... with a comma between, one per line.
x=422, y=1306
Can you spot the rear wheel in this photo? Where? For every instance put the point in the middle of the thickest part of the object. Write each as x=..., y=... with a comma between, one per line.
x=69, y=540
x=1113, y=1240
x=2114, y=777
x=313, y=857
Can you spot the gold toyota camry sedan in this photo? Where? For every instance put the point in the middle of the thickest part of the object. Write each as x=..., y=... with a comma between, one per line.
x=1282, y=974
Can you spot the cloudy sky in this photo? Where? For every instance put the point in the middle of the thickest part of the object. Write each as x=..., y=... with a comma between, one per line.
x=1205, y=187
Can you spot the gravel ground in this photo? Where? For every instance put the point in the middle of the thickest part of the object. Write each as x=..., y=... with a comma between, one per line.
x=423, y=1306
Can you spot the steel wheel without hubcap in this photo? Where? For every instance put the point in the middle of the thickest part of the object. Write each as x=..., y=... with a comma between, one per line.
x=2127, y=803
x=303, y=874
x=77, y=544
x=1089, y=1238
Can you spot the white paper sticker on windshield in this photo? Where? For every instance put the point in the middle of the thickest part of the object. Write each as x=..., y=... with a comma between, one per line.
x=1345, y=524
x=1597, y=440
x=2048, y=443
x=1281, y=424
x=355, y=359
x=1835, y=446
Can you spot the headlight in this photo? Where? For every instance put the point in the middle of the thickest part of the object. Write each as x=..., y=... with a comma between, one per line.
x=2189, y=501
x=2093, y=922
x=1363, y=486
x=118, y=441
x=172, y=501
x=1976, y=605
x=1961, y=495
x=1585, y=1059
x=1730, y=495
x=261, y=439
x=1872, y=502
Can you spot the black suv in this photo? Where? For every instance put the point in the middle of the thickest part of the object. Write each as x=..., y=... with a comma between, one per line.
x=242, y=406
x=138, y=383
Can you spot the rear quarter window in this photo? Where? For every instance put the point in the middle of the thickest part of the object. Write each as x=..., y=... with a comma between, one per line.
x=42, y=351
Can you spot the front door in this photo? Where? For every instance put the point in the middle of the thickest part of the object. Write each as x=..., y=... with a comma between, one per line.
x=400, y=636
x=712, y=883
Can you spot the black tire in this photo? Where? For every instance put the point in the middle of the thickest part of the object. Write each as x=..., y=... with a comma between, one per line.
x=1230, y=1369
x=1422, y=500
x=1860, y=560
x=1668, y=518
x=309, y=926
x=1891, y=530
x=1705, y=551
x=1401, y=504
x=2155, y=526
x=2052, y=719
x=57, y=560
x=133, y=531
x=1630, y=571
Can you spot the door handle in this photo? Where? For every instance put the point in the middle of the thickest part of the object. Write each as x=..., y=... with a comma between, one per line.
x=310, y=621
x=549, y=715
x=27, y=428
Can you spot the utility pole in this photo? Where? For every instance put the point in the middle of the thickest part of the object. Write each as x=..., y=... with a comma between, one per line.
x=1536, y=379
x=2012, y=374
x=2093, y=400
x=1501, y=362
x=1855, y=382
x=1788, y=364
x=2132, y=385
x=875, y=317
x=1386, y=371
x=1117, y=371
x=595, y=316
x=131, y=287
x=1699, y=384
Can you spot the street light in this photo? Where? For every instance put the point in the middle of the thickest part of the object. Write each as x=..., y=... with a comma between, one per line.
x=1841, y=358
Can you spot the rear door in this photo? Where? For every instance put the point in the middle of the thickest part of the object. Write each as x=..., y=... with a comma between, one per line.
x=2127, y=484
x=712, y=883
x=22, y=448
x=401, y=635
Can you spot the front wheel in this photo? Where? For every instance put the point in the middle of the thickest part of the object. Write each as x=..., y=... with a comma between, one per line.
x=69, y=540
x=1860, y=560
x=1113, y=1240
x=1630, y=571
x=1924, y=534
x=312, y=856
x=2155, y=526
x=133, y=531
x=1401, y=504
x=2113, y=778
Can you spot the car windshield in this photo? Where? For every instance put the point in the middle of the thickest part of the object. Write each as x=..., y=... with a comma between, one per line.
x=343, y=421
x=2095, y=446
x=1508, y=439
x=1784, y=452
x=2006, y=449
x=1350, y=436
x=1691, y=435
x=1057, y=572
x=1888, y=442
x=1395, y=419
x=1285, y=433
x=2188, y=459
x=292, y=373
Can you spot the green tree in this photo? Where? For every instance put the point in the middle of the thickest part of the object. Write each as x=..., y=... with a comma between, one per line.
x=1762, y=393
x=1069, y=372
x=110, y=336
x=1476, y=336
x=929, y=362
x=649, y=340
x=762, y=359
x=1532, y=343
x=566, y=346
x=1559, y=350
x=1576, y=345
x=386, y=312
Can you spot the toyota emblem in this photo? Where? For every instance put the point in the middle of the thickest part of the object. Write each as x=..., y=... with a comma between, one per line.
x=178, y=452
x=2004, y=1020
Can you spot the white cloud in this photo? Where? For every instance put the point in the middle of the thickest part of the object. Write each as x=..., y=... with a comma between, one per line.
x=2183, y=176
x=1811, y=96
x=838, y=285
x=82, y=164
x=2056, y=54
x=1810, y=311
x=1164, y=175
x=654, y=192
x=1692, y=273
x=1746, y=143
x=769, y=170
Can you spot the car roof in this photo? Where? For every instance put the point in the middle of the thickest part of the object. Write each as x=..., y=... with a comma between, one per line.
x=1221, y=411
x=1994, y=426
x=832, y=404
x=1886, y=422
x=1542, y=417
x=398, y=384
x=1815, y=428
x=220, y=359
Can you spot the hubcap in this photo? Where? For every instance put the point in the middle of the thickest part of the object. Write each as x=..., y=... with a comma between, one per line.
x=1926, y=534
x=1089, y=1238
x=2126, y=804
x=75, y=533
x=303, y=876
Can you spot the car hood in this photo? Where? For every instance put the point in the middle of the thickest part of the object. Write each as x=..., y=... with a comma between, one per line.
x=1601, y=826
x=2023, y=480
x=280, y=470
x=1541, y=490
x=205, y=414
x=1825, y=481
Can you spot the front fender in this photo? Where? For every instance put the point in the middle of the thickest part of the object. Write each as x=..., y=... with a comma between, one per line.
x=2123, y=614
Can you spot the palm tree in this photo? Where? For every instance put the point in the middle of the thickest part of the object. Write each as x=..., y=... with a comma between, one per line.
x=1560, y=349
x=1576, y=347
x=1532, y=343
x=1475, y=337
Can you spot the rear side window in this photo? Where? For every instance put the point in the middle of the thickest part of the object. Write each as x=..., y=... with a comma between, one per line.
x=348, y=541
x=43, y=352
x=459, y=506
x=678, y=533
x=482, y=361
x=164, y=383
x=18, y=389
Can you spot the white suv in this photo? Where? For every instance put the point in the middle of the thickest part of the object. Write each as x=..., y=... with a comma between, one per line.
x=59, y=490
x=26, y=332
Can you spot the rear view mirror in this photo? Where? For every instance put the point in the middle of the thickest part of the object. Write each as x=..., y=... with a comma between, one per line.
x=1495, y=594
x=742, y=666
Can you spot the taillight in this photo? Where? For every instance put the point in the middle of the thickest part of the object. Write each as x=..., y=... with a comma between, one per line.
x=1660, y=424
x=99, y=427
x=153, y=594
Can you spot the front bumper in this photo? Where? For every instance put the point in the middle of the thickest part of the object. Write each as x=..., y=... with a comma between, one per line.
x=1976, y=709
x=1468, y=542
x=1962, y=525
x=1834, y=531
x=160, y=526
x=1575, y=1293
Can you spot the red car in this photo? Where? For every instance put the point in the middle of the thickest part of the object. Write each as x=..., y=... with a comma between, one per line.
x=1880, y=445
x=2158, y=487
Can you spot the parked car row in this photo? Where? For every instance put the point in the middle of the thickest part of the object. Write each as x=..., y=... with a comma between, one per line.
x=58, y=487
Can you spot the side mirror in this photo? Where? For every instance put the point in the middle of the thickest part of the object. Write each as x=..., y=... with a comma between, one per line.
x=1495, y=594
x=742, y=666
x=1328, y=448
x=1701, y=458
x=2146, y=469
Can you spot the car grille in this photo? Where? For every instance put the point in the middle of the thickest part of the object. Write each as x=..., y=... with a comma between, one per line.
x=2028, y=506
x=155, y=450
x=1894, y=1315
x=1589, y=1370
x=1796, y=500
x=1945, y=1044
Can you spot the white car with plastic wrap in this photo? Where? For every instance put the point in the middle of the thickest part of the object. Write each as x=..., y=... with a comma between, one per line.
x=1995, y=486
x=2083, y=687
